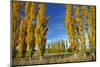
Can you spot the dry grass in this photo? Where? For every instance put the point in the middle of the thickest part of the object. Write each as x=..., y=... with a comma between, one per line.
x=54, y=58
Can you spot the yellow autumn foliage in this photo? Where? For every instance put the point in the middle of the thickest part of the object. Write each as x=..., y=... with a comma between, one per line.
x=41, y=29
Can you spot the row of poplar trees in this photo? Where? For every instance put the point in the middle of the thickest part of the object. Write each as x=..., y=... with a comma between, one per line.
x=57, y=47
x=77, y=28
x=26, y=34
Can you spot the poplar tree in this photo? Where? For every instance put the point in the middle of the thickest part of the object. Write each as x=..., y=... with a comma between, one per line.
x=62, y=46
x=20, y=43
x=30, y=12
x=41, y=29
x=66, y=44
x=91, y=35
x=86, y=17
x=81, y=33
x=16, y=18
x=70, y=25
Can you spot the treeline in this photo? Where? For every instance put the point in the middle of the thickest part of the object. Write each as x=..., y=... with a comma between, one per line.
x=57, y=47
x=60, y=46
x=28, y=31
x=77, y=27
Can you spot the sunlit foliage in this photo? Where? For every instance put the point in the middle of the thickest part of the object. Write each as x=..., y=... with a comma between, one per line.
x=30, y=13
x=16, y=18
x=41, y=29
x=92, y=34
x=20, y=43
x=81, y=33
x=86, y=16
x=70, y=22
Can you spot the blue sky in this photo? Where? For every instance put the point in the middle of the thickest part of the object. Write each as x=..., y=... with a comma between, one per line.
x=56, y=24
